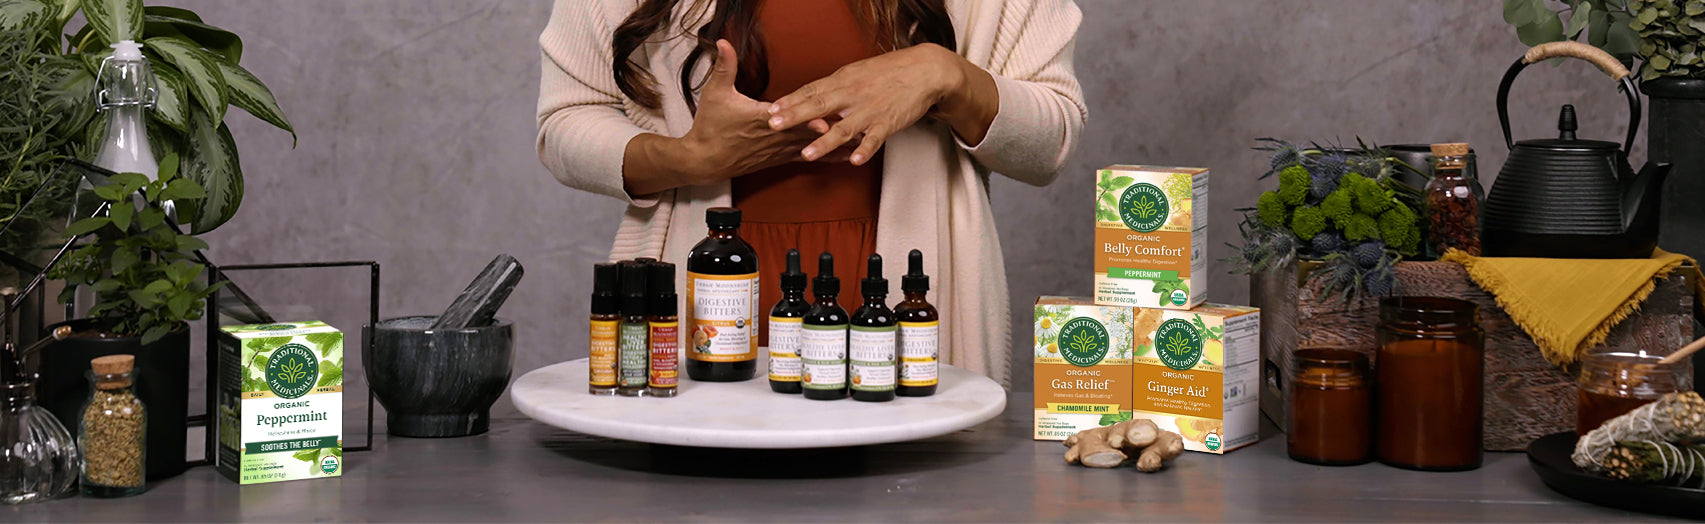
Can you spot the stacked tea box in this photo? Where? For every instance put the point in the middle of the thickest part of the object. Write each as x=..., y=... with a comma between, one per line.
x=1145, y=346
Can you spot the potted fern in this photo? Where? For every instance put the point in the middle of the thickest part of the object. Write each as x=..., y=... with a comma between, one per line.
x=147, y=288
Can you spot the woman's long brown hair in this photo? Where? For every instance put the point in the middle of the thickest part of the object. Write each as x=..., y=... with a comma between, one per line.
x=896, y=23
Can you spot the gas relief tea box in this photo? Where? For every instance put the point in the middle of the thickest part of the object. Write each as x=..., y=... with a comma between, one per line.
x=1196, y=373
x=1150, y=239
x=280, y=402
x=1083, y=366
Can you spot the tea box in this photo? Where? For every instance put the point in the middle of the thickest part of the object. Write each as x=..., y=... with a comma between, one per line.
x=1196, y=373
x=1150, y=243
x=280, y=394
x=1083, y=366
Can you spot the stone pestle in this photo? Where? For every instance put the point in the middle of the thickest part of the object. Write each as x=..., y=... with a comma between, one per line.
x=478, y=304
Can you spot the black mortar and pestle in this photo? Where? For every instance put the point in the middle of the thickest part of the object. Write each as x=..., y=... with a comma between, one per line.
x=438, y=376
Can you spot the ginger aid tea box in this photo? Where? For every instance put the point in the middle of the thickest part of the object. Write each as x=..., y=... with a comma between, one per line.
x=1083, y=366
x=1196, y=373
x=1150, y=239
x=280, y=402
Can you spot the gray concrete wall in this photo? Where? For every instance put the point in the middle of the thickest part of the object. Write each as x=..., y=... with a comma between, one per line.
x=416, y=123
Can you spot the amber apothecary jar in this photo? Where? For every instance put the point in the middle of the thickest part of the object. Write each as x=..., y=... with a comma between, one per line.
x=1429, y=384
x=1331, y=408
x=1613, y=383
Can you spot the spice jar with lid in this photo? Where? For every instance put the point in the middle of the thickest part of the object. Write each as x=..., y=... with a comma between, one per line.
x=1453, y=201
x=112, y=430
x=1613, y=383
x=1331, y=408
x=1429, y=384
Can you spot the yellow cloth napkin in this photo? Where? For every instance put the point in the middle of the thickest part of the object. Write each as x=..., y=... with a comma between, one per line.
x=1569, y=305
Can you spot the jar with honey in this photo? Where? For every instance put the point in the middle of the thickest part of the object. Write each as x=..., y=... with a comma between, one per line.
x=1331, y=408
x=1429, y=374
x=1613, y=383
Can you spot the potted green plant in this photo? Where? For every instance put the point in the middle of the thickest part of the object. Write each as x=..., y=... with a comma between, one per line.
x=147, y=288
x=1665, y=39
x=197, y=75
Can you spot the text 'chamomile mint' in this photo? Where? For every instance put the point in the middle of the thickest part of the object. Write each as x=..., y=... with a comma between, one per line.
x=280, y=402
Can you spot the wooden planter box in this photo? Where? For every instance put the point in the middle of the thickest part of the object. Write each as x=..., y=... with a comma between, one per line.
x=1526, y=397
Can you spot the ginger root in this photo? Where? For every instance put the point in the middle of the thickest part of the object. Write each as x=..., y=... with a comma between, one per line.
x=1114, y=445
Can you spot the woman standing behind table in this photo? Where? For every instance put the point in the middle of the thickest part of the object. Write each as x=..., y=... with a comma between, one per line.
x=847, y=126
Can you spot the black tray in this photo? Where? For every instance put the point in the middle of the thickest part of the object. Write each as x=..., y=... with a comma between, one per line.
x=1549, y=457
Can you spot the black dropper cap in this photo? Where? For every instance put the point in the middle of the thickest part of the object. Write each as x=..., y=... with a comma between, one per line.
x=606, y=288
x=660, y=279
x=915, y=280
x=874, y=284
x=645, y=261
x=633, y=288
x=826, y=283
x=722, y=217
x=793, y=279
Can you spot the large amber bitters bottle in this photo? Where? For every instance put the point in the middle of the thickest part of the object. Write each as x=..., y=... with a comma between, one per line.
x=722, y=302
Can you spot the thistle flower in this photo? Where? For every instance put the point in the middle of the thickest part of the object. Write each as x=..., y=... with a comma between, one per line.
x=1330, y=165
x=1380, y=281
x=1327, y=242
x=1368, y=254
x=1321, y=187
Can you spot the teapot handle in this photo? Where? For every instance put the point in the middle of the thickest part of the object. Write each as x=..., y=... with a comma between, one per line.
x=1572, y=49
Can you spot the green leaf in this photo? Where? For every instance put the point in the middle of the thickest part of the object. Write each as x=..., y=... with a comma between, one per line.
x=218, y=41
x=110, y=192
x=168, y=168
x=1114, y=418
x=325, y=341
x=122, y=259
x=1121, y=182
x=156, y=333
x=86, y=226
x=306, y=455
x=190, y=243
x=171, y=12
x=200, y=68
x=143, y=299
x=70, y=89
x=1549, y=29
x=1525, y=12
x=248, y=93
x=150, y=218
x=1578, y=21
x=1659, y=62
x=20, y=14
x=1646, y=17
x=1107, y=200
x=115, y=20
x=180, y=304
x=158, y=287
x=105, y=285
x=121, y=213
x=66, y=9
x=1694, y=8
x=210, y=160
x=1598, y=28
x=330, y=374
x=1623, y=41
x=171, y=105
x=183, y=189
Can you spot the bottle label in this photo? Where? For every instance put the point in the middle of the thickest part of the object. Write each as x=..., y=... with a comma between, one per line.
x=824, y=352
x=602, y=365
x=722, y=312
x=784, y=349
x=665, y=354
x=633, y=355
x=871, y=357
x=919, y=353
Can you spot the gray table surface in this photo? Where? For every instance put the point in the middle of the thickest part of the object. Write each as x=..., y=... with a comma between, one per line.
x=526, y=471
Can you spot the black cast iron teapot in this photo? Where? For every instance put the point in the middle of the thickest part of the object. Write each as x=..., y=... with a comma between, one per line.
x=1569, y=197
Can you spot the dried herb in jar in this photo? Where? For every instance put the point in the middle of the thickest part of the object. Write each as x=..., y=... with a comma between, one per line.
x=112, y=431
x=1453, y=205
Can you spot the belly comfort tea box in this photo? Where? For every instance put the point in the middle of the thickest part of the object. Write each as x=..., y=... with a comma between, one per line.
x=1150, y=239
x=280, y=402
x=1083, y=365
x=1196, y=373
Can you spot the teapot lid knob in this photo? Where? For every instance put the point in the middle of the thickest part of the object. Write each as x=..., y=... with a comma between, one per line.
x=1566, y=123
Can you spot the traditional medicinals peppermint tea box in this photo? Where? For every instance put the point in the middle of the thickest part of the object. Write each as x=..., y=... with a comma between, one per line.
x=280, y=402
x=1196, y=374
x=1083, y=366
x=1150, y=239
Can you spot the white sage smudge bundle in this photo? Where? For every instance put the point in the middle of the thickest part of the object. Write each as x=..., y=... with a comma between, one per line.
x=1649, y=462
x=1677, y=417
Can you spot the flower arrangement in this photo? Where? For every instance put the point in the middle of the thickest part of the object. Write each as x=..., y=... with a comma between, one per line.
x=1339, y=206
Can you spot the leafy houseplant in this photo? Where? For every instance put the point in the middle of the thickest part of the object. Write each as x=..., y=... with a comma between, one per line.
x=1340, y=207
x=35, y=140
x=197, y=77
x=139, y=266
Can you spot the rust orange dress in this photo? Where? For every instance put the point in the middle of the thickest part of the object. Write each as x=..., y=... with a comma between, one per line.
x=810, y=206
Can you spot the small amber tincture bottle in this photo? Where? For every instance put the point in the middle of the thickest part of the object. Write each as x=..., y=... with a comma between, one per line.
x=873, y=341
x=722, y=302
x=786, y=320
x=664, y=330
x=920, y=332
x=633, y=352
x=823, y=339
x=606, y=322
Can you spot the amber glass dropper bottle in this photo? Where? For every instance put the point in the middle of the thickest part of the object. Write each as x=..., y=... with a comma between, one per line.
x=787, y=318
x=823, y=345
x=606, y=322
x=872, y=342
x=920, y=332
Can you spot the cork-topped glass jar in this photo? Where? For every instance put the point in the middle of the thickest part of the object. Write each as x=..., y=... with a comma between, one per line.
x=112, y=430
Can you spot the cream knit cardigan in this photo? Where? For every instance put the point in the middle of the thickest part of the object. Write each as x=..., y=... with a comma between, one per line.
x=934, y=192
